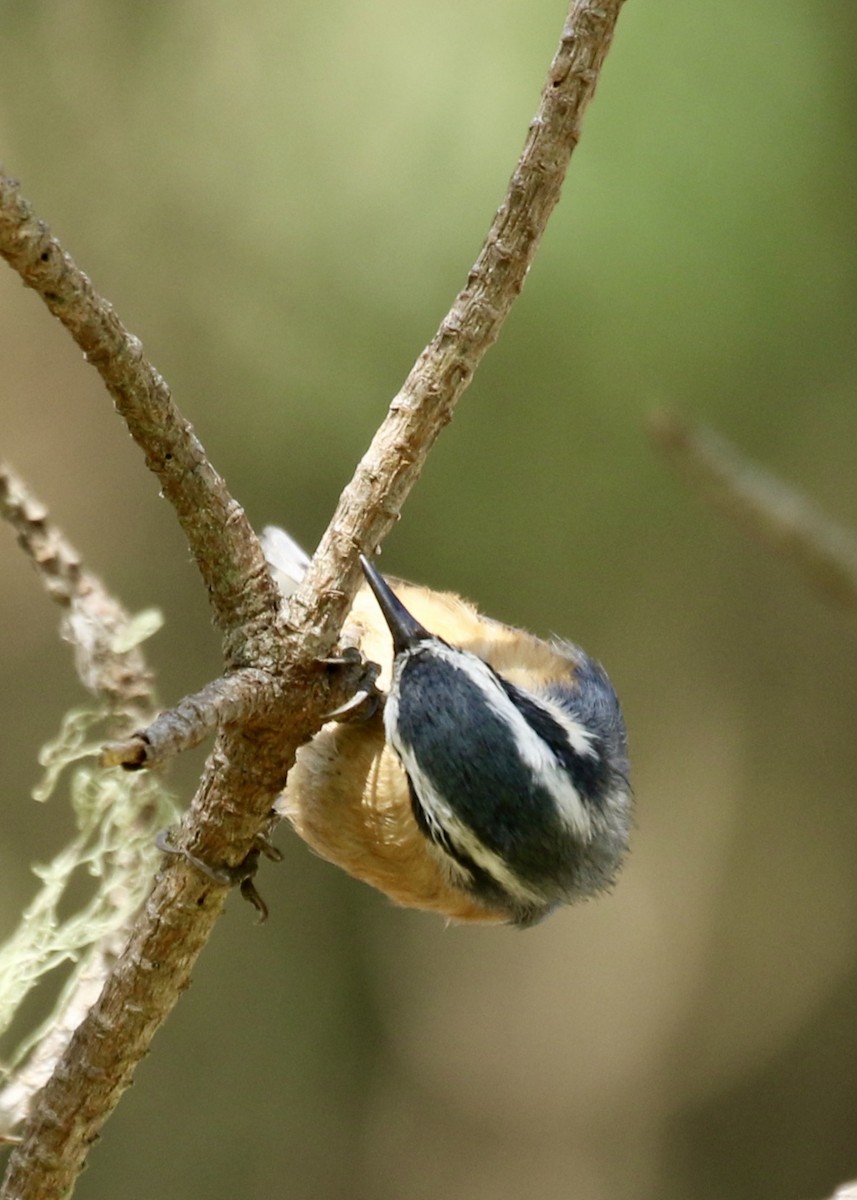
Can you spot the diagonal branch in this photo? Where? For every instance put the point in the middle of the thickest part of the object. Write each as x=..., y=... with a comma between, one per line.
x=111, y=665
x=369, y=505
x=248, y=765
x=94, y=622
x=775, y=514
x=226, y=550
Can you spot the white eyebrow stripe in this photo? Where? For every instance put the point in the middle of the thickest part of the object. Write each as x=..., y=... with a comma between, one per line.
x=532, y=750
x=579, y=737
x=440, y=815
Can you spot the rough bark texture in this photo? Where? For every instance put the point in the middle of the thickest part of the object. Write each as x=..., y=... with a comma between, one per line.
x=251, y=757
x=424, y=405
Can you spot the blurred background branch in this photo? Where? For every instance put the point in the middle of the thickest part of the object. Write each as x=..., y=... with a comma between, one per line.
x=117, y=818
x=766, y=508
x=310, y=179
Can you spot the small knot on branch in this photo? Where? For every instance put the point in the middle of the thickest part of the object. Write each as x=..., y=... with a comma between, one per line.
x=131, y=753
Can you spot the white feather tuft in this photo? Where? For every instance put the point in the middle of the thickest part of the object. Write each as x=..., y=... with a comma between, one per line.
x=287, y=560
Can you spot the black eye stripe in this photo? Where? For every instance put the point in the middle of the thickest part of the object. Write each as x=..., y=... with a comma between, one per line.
x=483, y=886
x=538, y=719
x=470, y=757
x=589, y=772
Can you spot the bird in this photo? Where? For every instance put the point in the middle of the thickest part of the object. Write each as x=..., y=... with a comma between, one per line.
x=489, y=784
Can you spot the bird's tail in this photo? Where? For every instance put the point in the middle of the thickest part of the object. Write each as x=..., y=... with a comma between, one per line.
x=288, y=562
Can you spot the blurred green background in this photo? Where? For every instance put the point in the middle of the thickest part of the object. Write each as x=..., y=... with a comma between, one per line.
x=281, y=200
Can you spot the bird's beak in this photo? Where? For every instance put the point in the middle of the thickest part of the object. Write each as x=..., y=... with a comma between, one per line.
x=406, y=630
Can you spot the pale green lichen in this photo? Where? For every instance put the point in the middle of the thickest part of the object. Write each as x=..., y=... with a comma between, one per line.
x=136, y=630
x=117, y=815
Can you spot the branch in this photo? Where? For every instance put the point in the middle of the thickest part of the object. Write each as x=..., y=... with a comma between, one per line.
x=248, y=765
x=221, y=539
x=226, y=701
x=370, y=504
x=778, y=516
x=94, y=622
x=111, y=665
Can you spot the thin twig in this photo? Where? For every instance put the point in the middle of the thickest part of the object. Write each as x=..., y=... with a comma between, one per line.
x=226, y=550
x=97, y=626
x=774, y=513
x=94, y=622
x=247, y=767
x=221, y=702
x=424, y=405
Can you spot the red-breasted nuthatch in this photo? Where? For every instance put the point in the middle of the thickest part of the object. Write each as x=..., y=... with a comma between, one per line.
x=493, y=787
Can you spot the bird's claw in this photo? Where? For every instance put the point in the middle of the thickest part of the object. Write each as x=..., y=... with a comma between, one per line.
x=366, y=698
x=242, y=874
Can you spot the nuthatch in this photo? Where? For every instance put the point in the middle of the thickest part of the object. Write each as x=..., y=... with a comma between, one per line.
x=495, y=784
